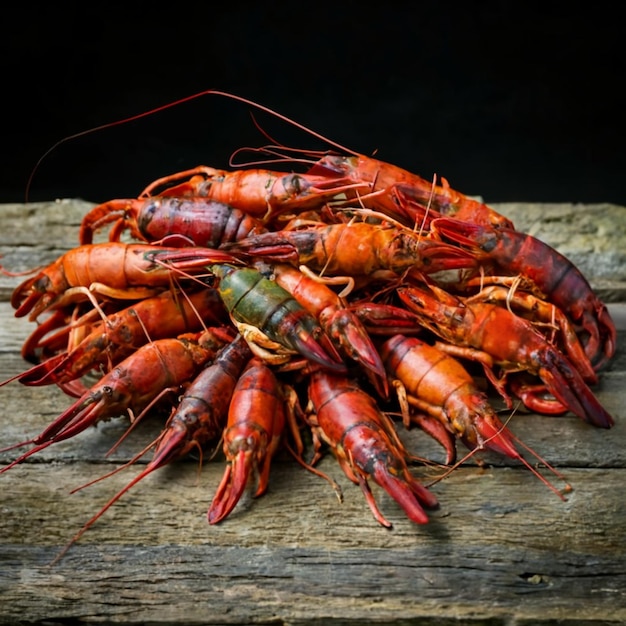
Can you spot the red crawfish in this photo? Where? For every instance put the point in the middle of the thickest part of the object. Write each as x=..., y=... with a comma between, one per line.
x=442, y=392
x=114, y=269
x=199, y=221
x=495, y=335
x=403, y=195
x=437, y=385
x=168, y=314
x=561, y=282
x=365, y=444
x=137, y=383
x=261, y=193
x=253, y=433
x=198, y=420
x=556, y=324
x=356, y=249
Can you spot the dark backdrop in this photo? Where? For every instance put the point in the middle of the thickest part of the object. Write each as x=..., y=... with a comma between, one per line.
x=513, y=101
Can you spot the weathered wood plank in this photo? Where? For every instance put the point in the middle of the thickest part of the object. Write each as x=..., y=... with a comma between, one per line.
x=502, y=549
x=297, y=550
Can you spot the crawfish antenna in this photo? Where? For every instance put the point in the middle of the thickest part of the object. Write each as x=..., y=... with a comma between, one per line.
x=95, y=129
x=169, y=105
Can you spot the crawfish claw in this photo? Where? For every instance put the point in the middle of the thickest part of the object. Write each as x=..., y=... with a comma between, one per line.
x=405, y=490
x=232, y=487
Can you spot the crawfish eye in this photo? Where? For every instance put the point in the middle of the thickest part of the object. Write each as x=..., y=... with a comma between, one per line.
x=43, y=284
x=190, y=418
x=294, y=184
x=152, y=208
x=106, y=391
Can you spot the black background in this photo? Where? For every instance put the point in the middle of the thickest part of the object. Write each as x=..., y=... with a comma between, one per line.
x=512, y=101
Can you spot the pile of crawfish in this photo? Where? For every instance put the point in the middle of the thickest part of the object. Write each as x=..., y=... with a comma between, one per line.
x=261, y=309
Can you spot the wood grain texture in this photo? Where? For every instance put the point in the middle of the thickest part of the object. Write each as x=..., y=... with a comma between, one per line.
x=502, y=549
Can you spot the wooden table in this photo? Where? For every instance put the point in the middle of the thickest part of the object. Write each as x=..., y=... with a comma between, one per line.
x=502, y=549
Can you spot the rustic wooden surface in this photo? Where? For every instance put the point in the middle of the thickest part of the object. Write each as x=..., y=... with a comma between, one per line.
x=502, y=549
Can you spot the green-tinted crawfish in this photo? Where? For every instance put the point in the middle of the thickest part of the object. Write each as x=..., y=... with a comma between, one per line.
x=262, y=310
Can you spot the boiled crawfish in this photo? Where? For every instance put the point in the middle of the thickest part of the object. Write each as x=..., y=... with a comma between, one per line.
x=282, y=296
